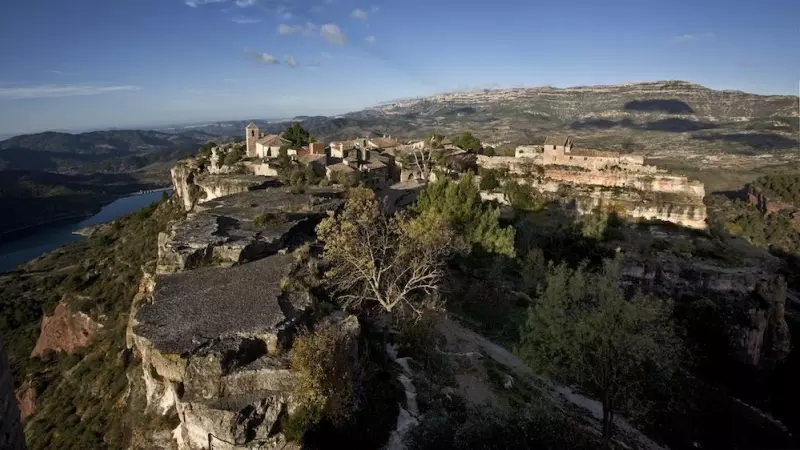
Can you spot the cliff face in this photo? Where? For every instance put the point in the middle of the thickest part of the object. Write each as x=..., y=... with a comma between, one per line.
x=197, y=180
x=11, y=436
x=765, y=202
x=65, y=331
x=663, y=183
x=750, y=298
x=214, y=322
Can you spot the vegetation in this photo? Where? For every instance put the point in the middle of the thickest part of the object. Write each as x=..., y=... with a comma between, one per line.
x=583, y=329
x=234, y=154
x=78, y=396
x=297, y=136
x=328, y=375
x=466, y=141
x=459, y=204
x=388, y=262
x=785, y=186
x=489, y=181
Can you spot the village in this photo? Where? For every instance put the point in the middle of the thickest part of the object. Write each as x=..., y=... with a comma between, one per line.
x=595, y=178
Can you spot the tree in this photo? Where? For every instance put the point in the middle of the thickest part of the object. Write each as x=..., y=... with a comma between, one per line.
x=488, y=151
x=297, y=136
x=489, y=181
x=466, y=141
x=435, y=140
x=582, y=329
x=459, y=203
x=389, y=262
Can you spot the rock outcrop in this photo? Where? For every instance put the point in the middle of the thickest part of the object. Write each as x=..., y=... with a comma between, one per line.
x=65, y=331
x=211, y=342
x=750, y=297
x=11, y=436
x=245, y=227
x=766, y=202
x=196, y=180
x=26, y=398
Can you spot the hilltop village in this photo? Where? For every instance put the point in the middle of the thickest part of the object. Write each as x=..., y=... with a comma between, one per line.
x=580, y=179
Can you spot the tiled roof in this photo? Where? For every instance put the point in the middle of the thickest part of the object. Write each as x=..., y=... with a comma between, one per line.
x=557, y=140
x=272, y=140
x=383, y=142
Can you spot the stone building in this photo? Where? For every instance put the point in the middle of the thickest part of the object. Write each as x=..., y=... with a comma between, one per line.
x=262, y=146
x=560, y=151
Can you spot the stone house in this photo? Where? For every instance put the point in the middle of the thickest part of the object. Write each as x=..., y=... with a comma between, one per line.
x=340, y=148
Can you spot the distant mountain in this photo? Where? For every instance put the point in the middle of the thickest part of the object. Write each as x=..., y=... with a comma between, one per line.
x=100, y=142
x=114, y=151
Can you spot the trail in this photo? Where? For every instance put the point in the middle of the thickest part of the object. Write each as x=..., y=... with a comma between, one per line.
x=465, y=341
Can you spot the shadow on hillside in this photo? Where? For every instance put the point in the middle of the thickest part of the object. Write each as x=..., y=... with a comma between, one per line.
x=674, y=125
x=677, y=125
x=669, y=106
x=760, y=141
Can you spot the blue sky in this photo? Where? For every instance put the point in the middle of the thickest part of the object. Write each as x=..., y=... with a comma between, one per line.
x=85, y=64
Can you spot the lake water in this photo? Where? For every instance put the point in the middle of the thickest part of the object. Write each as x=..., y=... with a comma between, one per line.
x=40, y=240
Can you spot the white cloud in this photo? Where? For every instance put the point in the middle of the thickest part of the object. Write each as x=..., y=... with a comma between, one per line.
x=689, y=37
x=290, y=61
x=684, y=38
x=245, y=3
x=315, y=63
x=245, y=20
x=332, y=33
x=375, y=8
x=266, y=58
x=57, y=90
x=326, y=55
x=305, y=30
x=287, y=15
x=370, y=39
x=359, y=14
x=196, y=3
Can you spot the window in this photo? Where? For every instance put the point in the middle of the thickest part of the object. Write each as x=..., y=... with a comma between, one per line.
x=252, y=133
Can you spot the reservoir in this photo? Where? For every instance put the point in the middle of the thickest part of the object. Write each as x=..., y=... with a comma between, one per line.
x=35, y=242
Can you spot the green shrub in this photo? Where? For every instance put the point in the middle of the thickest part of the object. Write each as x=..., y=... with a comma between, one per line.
x=305, y=417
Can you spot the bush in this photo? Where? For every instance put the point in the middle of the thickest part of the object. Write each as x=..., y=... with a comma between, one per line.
x=327, y=372
x=305, y=417
x=489, y=182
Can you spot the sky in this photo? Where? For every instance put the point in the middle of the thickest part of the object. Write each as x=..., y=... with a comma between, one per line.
x=93, y=64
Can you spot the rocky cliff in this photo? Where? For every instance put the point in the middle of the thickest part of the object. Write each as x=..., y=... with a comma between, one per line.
x=65, y=331
x=11, y=436
x=749, y=293
x=214, y=322
x=196, y=180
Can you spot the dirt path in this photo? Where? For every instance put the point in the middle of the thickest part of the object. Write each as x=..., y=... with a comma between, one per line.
x=461, y=341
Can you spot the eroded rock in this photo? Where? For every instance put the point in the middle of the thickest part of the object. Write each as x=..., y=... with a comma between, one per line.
x=243, y=227
x=65, y=331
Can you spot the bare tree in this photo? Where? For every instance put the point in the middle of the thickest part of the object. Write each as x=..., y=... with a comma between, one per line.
x=383, y=261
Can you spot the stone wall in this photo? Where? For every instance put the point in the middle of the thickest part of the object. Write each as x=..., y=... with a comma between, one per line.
x=11, y=434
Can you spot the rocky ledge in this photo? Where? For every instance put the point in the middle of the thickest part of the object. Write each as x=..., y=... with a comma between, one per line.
x=213, y=342
x=243, y=227
x=196, y=312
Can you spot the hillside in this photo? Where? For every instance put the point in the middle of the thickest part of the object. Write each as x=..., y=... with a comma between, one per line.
x=29, y=198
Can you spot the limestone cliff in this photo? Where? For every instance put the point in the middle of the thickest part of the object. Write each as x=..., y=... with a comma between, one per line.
x=196, y=180
x=244, y=227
